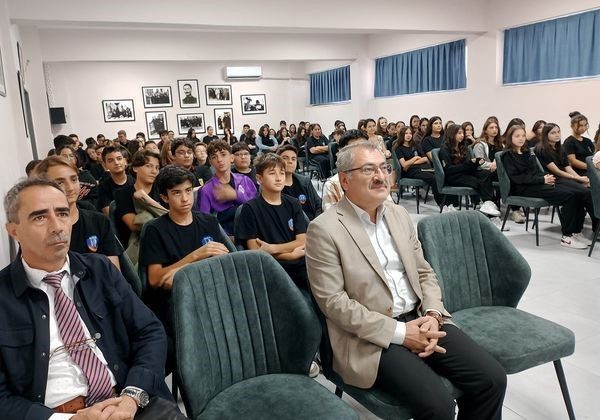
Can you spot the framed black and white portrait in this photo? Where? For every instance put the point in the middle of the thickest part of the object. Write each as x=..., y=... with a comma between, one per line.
x=157, y=96
x=254, y=104
x=223, y=119
x=218, y=95
x=187, y=121
x=2, y=78
x=116, y=110
x=189, y=96
x=156, y=121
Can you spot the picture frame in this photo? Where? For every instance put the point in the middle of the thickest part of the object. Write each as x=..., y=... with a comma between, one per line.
x=223, y=118
x=117, y=110
x=254, y=104
x=156, y=121
x=218, y=95
x=192, y=120
x=189, y=95
x=157, y=96
x=2, y=78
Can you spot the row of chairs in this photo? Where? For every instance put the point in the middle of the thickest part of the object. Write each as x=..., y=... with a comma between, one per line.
x=246, y=336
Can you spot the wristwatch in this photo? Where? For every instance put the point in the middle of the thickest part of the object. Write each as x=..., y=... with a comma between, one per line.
x=140, y=396
x=437, y=317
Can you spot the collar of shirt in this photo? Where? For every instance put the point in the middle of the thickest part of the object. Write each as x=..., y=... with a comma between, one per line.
x=364, y=216
x=36, y=276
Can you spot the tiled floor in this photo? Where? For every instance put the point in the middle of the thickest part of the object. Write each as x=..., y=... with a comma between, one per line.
x=565, y=288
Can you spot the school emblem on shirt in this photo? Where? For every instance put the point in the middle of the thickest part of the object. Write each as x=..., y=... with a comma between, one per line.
x=291, y=224
x=302, y=199
x=206, y=240
x=92, y=243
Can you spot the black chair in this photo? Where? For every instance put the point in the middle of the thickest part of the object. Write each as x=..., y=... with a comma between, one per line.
x=330, y=150
x=440, y=178
x=417, y=184
x=594, y=175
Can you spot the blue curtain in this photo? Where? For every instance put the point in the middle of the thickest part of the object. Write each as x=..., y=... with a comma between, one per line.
x=330, y=86
x=441, y=67
x=555, y=49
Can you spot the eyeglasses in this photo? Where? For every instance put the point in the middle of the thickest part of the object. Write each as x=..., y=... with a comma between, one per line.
x=184, y=153
x=73, y=347
x=369, y=169
x=242, y=155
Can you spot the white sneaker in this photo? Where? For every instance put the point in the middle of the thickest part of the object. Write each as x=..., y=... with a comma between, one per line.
x=517, y=216
x=497, y=221
x=449, y=209
x=489, y=208
x=571, y=242
x=581, y=238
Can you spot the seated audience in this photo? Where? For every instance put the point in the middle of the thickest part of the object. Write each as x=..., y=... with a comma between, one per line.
x=527, y=179
x=116, y=164
x=421, y=132
x=210, y=135
x=91, y=232
x=469, y=130
x=250, y=140
x=242, y=163
x=373, y=137
x=264, y=141
x=434, y=136
x=203, y=173
x=182, y=151
x=383, y=306
x=225, y=191
x=299, y=186
x=61, y=299
x=273, y=222
x=245, y=129
x=462, y=171
x=88, y=185
x=229, y=137
x=31, y=166
x=122, y=138
x=576, y=146
x=164, y=139
x=299, y=142
x=318, y=150
x=534, y=138
x=151, y=145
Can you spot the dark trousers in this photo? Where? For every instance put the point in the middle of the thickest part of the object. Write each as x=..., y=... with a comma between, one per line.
x=558, y=194
x=160, y=409
x=226, y=219
x=584, y=196
x=323, y=162
x=415, y=381
x=480, y=181
x=428, y=177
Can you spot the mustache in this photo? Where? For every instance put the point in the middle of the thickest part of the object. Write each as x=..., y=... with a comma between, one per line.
x=377, y=182
x=58, y=237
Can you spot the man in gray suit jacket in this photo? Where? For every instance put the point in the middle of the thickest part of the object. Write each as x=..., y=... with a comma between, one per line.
x=385, y=316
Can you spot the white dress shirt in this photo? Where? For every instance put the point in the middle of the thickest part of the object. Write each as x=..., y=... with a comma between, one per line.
x=66, y=380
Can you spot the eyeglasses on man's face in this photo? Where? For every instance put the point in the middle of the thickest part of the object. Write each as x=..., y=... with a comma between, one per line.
x=184, y=152
x=369, y=169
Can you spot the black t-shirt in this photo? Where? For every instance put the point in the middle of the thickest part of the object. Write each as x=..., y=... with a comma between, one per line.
x=546, y=158
x=429, y=143
x=97, y=171
x=204, y=173
x=93, y=233
x=208, y=139
x=407, y=153
x=274, y=224
x=125, y=205
x=581, y=149
x=106, y=191
x=312, y=142
x=165, y=242
x=298, y=193
x=88, y=186
x=251, y=175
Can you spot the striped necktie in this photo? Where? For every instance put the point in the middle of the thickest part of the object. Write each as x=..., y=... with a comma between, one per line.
x=71, y=331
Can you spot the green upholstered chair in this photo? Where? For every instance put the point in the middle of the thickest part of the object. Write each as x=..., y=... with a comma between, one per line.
x=332, y=163
x=377, y=401
x=518, y=200
x=594, y=175
x=483, y=277
x=245, y=339
x=440, y=179
x=408, y=182
x=130, y=273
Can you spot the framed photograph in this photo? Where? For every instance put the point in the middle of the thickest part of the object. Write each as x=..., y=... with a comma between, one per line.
x=2, y=78
x=187, y=121
x=223, y=118
x=118, y=110
x=156, y=121
x=157, y=96
x=189, y=96
x=254, y=104
x=218, y=95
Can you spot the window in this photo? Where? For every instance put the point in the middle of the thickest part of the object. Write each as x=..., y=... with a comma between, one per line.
x=437, y=68
x=560, y=48
x=330, y=86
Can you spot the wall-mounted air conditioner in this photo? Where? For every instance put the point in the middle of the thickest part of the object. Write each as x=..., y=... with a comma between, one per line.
x=243, y=73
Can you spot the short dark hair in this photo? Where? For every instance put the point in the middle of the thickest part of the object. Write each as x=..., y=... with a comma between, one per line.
x=112, y=149
x=31, y=166
x=141, y=157
x=74, y=135
x=216, y=146
x=163, y=132
x=141, y=134
x=349, y=136
x=181, y=142
x=100, y=136
x=170, y=176
x=61, y=140
x=239, y=146
x=287, y=148
x=246, y=126
x=11, y=199
x=268, y=161
x=282, y=122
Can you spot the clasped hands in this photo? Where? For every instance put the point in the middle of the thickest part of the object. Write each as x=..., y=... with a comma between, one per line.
x=422, y=335
x=120, y=408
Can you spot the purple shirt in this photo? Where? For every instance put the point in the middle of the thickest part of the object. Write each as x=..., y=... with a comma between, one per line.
x=244, y=187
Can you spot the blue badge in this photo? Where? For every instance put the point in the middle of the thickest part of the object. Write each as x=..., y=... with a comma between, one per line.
x=291, y=224
x=206, y=240
x=92, y=243
x=302, y=199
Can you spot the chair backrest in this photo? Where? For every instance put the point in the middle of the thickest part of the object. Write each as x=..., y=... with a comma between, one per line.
x=238, y=316
x=397, y=166
x=470, y=152
x=438, y=169
x=475, y=264
x=502, y=176
x=112, y=208
x=539, y=164
x=594, y=175
x=142, y=273
x=332, y=164
x=236, y=223
x=130, y=273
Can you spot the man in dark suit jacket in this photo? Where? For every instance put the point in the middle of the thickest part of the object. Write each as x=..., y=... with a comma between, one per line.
x=39, y=377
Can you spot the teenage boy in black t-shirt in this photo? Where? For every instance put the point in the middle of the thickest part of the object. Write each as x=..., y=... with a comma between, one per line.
x=116, y=164
x=176, y=239
x=183, y=155
x=91, y=231
x=242, y=161
x=274, y=222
